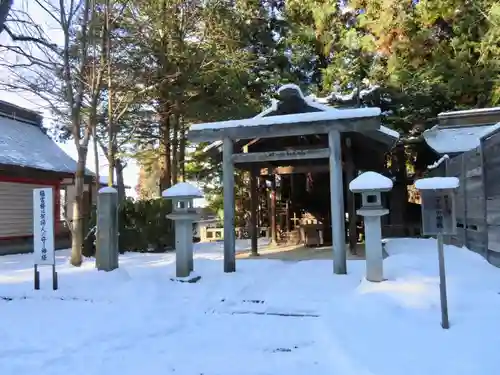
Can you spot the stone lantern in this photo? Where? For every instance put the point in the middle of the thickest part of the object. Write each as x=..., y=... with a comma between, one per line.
x=183, y=214
x=370, y=185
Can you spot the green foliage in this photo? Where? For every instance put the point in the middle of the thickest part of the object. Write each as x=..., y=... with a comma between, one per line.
x=178, y=62
x=143, y=226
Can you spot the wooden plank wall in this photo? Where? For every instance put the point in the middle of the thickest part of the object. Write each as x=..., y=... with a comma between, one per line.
x=454, y=168
x=478, y=198
x=491, y=155
x=475, y=202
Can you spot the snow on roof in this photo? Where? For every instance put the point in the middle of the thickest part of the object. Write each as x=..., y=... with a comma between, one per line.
x=434, y=183
x=459, y=139
x=26, y=145
x=469, y=112
x=389, y=131
x=265, y=112
x=312, y=98
x=370, y=181
x=490, y=130
x=107, y=189
x=312, y=101
x=338, y=97
x=103, y=180
x=182, y=190
x=309, y=100
x=341, y=114
x=437, y=163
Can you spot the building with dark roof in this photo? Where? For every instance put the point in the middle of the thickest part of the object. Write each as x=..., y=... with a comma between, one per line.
x=30, y=159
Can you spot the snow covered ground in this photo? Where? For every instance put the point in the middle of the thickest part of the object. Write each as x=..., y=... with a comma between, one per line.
x=270, y=317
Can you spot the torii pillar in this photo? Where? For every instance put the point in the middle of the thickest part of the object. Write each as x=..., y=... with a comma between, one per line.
x=337, y=203
x=228, y=190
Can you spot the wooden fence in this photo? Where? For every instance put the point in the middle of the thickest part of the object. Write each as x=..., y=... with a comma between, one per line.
x=478, y=197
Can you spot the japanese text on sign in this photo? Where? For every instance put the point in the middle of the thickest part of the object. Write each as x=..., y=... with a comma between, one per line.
x=43, y=226
x=438, y=214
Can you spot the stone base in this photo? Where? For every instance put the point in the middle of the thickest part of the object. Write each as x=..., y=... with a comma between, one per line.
x=190, y=279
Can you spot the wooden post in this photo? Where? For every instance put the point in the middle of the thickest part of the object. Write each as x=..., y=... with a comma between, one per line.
x=337, y=204
x=351, y=202
x=228, y=180
x=254, y=203
x=442, y=284
x=399, y=194
x=463, y=186
x=260, y=218
x=274, y=234
x=288, y=221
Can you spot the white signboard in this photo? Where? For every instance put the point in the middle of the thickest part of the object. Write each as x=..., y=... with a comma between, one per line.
x=43, y=226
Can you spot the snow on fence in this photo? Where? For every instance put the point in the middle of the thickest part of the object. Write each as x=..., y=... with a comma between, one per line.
x=478, y=197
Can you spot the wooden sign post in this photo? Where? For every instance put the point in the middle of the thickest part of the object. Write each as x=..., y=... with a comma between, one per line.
x=43, y=233
x=438, y=219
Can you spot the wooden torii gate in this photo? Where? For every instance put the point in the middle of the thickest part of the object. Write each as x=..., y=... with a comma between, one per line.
x=313, y=118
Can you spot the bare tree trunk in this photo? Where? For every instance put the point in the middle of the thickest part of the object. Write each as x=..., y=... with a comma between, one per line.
x=96, y=157
x=77, y=227
x=5, y=6
x=165, y=181
x=76, y=104
x=119, y=180
x=175, y=149
x=182, y=148
x=111, y=133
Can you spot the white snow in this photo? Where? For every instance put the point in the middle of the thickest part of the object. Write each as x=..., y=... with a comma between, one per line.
x=136, y=320
x=469, y=112
x=370, y=181
x=336, y=96
x=340, y=114
x=265, y=112
x=26, y=145
x=490, y=130
x=333, y=97
x=182, y=189
x=291, y=86
x=434, y=183
x=389, y=132
x=451, y=140
x=107, y=190
x=311, y=100
x=441, y=160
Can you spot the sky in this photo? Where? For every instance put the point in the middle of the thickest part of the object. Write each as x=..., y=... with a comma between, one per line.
x=131, y=172
x=30, y=101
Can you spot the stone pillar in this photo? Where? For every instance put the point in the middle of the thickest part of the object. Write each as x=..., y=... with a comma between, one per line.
x=183, y=253
x=254, y=203
x=189, y=240
x=107, y=229
x=373, y=246
x=337, y=204
x=228, y=185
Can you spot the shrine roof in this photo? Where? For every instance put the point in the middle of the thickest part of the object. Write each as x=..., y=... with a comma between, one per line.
x=450, y=140
x=461, y=131
x=308, y=117
x=294, y=108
